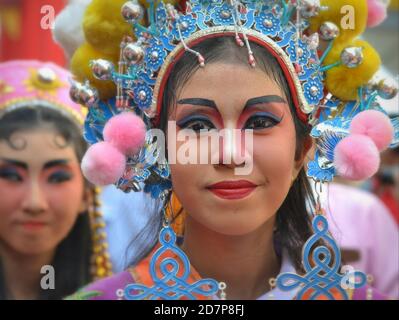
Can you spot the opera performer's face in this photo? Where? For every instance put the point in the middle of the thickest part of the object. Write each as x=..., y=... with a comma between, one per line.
x=239, y=196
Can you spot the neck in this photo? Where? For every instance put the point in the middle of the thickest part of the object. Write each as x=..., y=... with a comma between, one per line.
x=245, y=263
x=21, y=272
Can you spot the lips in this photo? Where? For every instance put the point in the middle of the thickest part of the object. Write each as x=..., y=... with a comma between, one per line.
x=32, y=225
x=232, y=190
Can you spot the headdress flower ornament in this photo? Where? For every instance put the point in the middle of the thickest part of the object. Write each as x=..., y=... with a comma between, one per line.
x=329, y=72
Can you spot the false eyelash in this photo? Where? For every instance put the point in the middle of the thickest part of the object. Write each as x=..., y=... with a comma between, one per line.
x=186, y=120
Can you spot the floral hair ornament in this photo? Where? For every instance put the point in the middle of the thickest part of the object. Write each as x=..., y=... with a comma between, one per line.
x=330, y=76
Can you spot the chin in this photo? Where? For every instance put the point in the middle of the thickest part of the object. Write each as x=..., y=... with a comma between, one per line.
x=236, y=228
x=33, y=247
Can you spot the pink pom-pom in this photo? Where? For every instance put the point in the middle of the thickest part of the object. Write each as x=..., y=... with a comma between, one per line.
x=356, y=157
x=374, y=124
x=125, y=131
x=377, y=13
x=103, y=164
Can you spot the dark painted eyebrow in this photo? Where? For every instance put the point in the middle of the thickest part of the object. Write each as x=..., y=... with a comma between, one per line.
x=47, y=165
x=264, y=99
x=251, y=102
x=15, y=163
x=198, y=102
x=54, y=163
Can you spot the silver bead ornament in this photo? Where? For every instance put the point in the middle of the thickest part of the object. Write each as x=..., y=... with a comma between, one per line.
x=352, y=57
x=132, y=12
x=102, y=69
x=83, y=93
x=133, y=53
x=387, y=89
x=328, y=31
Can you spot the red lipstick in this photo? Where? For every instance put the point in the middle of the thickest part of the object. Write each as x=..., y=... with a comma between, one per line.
x=232, y=190
x=33, y=225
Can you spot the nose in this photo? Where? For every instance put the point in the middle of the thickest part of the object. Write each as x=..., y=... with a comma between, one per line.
x=35, y=201
x=232, y=148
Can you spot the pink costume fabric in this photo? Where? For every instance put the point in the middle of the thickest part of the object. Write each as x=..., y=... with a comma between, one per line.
x=360, y=222
x=42, y=83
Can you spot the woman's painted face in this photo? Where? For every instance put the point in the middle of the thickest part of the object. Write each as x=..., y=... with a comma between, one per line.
x=41, y=191
x=223, y=96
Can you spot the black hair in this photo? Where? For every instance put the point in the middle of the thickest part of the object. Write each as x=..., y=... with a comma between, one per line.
x=72, y=257
x=293, y=226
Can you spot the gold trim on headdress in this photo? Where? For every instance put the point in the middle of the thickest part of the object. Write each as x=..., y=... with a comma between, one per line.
x=19, y=103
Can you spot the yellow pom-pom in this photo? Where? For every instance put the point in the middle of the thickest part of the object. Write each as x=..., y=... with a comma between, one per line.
x=350, y=16
x=81, y=70
x=343, y=81
x=104, y=26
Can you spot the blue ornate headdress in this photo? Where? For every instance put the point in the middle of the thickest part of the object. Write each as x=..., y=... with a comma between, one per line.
x=328, y=72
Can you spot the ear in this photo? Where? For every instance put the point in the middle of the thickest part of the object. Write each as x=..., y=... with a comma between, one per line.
x=87, y=200
x=306, y=154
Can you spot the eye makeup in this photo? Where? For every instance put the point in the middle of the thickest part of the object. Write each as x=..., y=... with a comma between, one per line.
x=258, y=113
x=10, y=174
x=59, y=176
x=262, y=113
x=11, y=170
x=261, y=120
x=58, y=171
x=198, y=114
x=195, y=122
x=201, y=107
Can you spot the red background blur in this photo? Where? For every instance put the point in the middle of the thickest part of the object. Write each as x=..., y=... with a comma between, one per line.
x=21, y=33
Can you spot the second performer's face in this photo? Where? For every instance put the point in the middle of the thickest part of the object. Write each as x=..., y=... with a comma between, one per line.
x=235, y=184
x=41, y=191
